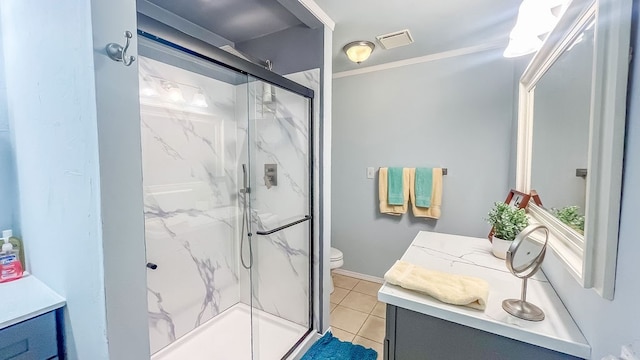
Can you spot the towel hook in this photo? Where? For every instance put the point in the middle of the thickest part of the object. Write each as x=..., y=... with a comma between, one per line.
x=118, y=53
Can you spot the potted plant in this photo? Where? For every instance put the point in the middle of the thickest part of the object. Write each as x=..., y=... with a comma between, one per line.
x=570, y=215
x=507, y=222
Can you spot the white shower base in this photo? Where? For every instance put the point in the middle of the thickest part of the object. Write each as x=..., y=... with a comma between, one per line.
x=228, y=337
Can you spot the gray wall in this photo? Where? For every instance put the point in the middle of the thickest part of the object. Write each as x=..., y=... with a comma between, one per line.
x=76, y=134
x=293, y=50
x=609, y=324
x=7, y=170
x=455, y=113
x=53, y=124
x=324, y=173
x=121, y=204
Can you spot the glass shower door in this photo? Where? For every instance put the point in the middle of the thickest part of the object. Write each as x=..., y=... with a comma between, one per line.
x=279, y=152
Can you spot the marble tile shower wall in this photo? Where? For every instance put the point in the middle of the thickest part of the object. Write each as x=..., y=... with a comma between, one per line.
x=191, y=207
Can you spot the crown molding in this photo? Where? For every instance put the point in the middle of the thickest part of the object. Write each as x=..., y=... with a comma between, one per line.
x=421, y=59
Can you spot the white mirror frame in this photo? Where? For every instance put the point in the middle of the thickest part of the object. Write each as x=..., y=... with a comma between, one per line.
x=590, y=259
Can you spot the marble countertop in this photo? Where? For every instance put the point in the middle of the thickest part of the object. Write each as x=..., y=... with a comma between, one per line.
x=26, y=298
x=472, y=256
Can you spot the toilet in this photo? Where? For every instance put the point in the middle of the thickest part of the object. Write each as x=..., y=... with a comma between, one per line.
x=336, y=262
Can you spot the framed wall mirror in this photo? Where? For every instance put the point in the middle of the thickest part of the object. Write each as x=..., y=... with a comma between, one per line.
x=572, y=108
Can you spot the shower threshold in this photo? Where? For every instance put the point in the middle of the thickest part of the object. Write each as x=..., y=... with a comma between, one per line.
x=228, y=336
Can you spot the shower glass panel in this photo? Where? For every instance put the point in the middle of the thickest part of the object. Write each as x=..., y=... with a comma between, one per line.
x=225, y=161
x=279, y=123
x=191, y=111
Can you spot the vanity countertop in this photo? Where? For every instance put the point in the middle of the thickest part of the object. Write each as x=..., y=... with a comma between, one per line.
x=26, y=298
x=472, y=256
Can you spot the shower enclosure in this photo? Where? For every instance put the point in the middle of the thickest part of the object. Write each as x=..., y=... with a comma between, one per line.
x=227, y=185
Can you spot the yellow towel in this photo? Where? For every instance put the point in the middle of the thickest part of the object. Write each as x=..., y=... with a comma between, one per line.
x=449, y=288
x=385, y=208
x=436, y=195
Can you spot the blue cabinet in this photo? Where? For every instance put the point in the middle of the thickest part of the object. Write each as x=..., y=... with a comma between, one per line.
x=411, y=335
x=33, y=339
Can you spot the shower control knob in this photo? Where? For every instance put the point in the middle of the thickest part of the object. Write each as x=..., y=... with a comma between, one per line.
x=152, y=266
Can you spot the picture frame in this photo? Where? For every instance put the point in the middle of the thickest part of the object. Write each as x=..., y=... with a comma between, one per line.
x=536, y=198
x=515, y=199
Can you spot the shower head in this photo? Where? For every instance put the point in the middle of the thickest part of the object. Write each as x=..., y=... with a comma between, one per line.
x=268, y=93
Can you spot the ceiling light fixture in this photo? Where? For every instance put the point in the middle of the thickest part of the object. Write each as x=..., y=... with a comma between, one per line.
x=359, y=51
x=535, y=21
x=534, y=18
x=520, y=46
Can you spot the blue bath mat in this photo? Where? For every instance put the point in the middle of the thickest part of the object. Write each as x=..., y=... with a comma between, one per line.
x=329, y=347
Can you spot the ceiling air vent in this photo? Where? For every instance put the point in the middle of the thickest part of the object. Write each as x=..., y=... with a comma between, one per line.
x=395, y=39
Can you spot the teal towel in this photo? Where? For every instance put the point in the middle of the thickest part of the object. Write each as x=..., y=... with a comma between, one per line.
x=394, y=186
x=422, y=187
x=329, y=347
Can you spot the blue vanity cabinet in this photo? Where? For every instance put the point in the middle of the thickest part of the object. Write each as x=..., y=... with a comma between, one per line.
x=33, y=339
x=412, y=336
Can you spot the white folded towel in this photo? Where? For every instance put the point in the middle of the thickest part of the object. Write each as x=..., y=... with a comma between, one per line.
x=449, y=288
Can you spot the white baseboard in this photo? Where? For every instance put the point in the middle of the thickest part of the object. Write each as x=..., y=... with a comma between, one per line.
x=356, y=275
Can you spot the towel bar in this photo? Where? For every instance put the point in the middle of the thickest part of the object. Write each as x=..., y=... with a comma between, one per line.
x=269, y=232
x=444, y=171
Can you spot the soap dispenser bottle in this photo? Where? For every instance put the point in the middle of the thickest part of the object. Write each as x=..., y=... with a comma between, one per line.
x=10, y=267
x=17, y=246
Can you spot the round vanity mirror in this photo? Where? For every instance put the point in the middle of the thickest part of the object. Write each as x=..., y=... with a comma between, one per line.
x=524, y=258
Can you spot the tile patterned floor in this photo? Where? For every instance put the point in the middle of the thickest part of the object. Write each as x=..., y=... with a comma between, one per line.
x=356, y=313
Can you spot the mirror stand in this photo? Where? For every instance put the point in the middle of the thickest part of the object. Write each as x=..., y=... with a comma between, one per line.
x=524, y=258
x=521, y=308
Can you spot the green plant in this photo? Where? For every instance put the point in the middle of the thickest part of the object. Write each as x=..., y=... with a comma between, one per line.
x=507, y=221
x=570, y=216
